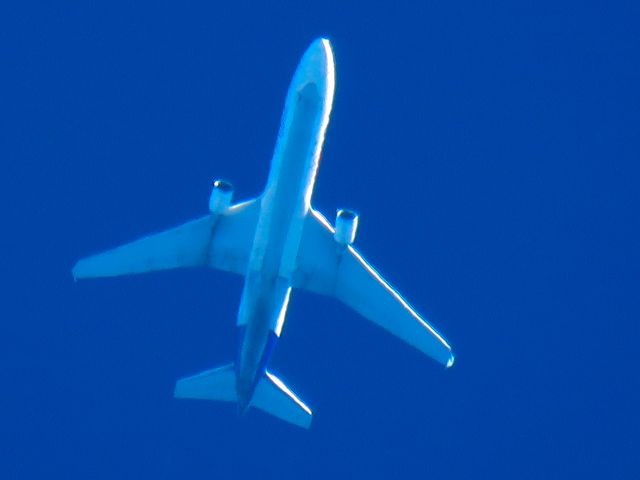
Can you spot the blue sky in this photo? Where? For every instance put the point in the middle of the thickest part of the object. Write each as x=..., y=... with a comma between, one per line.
x=492, y=153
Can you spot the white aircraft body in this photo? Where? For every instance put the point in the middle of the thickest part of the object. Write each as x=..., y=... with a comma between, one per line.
x=278, y=242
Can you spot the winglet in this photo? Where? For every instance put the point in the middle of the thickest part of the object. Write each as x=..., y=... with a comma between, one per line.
x=451, y=361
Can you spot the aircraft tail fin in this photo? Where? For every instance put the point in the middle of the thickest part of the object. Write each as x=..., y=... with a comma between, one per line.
x=271, y=395
x=216, y=384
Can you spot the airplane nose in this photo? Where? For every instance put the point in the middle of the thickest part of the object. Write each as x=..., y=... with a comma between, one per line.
x=317, y=66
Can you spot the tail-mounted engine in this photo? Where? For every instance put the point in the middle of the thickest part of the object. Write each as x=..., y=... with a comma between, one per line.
x=221, y=196
x=346, y=227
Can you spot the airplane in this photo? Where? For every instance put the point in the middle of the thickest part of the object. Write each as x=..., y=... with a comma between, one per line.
x=279, y=243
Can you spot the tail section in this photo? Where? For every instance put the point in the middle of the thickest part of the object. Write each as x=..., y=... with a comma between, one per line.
x=216, y=384
x=271, y=395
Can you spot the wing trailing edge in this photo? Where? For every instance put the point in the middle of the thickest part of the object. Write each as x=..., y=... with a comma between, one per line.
x=328, y=268
x=219, y=241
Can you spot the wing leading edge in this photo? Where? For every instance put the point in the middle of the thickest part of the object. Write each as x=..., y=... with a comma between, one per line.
x=331, y=269
x=220, y=241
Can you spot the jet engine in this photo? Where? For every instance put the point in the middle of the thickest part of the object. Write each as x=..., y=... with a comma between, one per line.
x=221, y=196
x=346, y=227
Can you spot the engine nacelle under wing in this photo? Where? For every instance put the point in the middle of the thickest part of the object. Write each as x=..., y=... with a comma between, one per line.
x=221, y=196
x=346, y=226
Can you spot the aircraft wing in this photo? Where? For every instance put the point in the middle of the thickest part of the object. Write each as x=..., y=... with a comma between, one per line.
x=328, y=268
x=220, y=241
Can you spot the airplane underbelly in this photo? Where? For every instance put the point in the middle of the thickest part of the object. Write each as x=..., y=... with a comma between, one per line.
x=262, y=309
x=284, y=206
x=287, y=196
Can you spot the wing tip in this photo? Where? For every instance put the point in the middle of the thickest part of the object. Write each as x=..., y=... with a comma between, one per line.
x=451, y=361
x=75, y=271
x=81, y=269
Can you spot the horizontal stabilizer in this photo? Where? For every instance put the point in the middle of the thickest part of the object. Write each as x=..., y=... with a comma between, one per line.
x=273, y=396
x=216, y=384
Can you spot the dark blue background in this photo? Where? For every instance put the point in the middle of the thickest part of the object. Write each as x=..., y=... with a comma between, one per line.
x=492, y=151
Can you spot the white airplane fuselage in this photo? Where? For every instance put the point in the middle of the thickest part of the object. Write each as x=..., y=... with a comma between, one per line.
x=283, y=208
x=277, y=242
